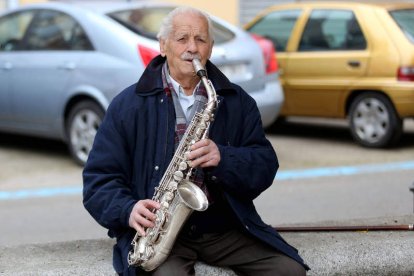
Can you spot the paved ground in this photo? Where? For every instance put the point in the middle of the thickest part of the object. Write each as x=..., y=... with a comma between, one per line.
x=327, y=253
x=40, y=186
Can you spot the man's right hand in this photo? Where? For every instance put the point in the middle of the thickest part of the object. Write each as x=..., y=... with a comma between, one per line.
x=141, y=216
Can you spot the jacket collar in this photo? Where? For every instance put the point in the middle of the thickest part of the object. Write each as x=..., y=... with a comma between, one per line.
x=151, y=81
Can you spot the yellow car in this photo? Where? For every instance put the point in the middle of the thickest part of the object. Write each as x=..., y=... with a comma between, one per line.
x=345, y=59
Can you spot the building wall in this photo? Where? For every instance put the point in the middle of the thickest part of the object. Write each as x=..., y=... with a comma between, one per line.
x=24, y=2
x=237, y=12
x=225, y=9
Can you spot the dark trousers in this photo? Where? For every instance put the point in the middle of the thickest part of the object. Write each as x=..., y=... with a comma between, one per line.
x=245, y=255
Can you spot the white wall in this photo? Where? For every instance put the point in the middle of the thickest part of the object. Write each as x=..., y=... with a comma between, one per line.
x=4, y=4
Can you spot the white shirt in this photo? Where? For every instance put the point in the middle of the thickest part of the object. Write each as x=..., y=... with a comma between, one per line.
x=186, y=102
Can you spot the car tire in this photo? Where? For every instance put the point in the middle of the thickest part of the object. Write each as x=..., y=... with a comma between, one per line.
x=373, y=120
x=81, y=126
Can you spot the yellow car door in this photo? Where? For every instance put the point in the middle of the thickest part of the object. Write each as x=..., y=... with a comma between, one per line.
x=326, y=58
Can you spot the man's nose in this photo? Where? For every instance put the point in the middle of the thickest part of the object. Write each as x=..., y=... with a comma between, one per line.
x=192, y=46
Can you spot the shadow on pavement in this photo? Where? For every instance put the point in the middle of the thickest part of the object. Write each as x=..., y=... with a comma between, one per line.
x=33, y=144
x=327, y=129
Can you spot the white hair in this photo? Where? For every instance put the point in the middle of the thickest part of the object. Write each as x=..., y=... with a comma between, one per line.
x=167, y=22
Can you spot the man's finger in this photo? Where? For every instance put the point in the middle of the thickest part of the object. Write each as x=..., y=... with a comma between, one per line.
x=149, y=203
x=142, y=221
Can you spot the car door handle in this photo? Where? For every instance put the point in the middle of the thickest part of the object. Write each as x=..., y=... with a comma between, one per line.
x=69, y=66
x=354, y=63
x=7, y=66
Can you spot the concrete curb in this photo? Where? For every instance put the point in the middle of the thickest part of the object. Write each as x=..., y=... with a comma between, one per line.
x=327, y=253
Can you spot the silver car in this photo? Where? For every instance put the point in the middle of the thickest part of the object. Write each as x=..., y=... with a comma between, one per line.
x=61, y=65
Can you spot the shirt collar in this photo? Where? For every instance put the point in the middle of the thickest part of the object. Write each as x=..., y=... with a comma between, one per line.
x=177, y=87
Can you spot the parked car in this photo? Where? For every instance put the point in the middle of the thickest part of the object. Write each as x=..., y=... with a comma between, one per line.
x=345, y=59
x=61, y=64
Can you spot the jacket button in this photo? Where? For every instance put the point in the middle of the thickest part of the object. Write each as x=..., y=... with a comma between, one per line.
x=156, y=168
x=214, y=178
x=247, y=227
x=162, y=100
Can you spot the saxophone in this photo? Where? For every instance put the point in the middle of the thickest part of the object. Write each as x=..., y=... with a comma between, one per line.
x=177, y=195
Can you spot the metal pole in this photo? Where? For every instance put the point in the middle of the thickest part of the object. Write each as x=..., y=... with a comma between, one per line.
x=412, y=190
x=346, y=228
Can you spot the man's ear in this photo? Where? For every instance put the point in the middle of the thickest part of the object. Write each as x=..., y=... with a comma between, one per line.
x=162, y=47
x=211, y=49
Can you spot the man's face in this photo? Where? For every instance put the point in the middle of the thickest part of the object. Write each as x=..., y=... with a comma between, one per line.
x=188, y=38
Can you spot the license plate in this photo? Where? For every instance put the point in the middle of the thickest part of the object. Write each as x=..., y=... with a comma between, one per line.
x=235, y=71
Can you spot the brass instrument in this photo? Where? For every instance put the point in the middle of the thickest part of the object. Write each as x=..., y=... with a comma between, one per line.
x=177, y=195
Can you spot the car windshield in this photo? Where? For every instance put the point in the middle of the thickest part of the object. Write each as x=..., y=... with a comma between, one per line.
x=405, y=19
x=147, y=21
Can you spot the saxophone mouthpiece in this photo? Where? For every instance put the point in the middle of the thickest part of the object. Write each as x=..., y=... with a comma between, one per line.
x=199, y=68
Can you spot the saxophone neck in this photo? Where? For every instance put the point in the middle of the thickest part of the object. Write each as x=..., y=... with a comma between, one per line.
x=211, y=94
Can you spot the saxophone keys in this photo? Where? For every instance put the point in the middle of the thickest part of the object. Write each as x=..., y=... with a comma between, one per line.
x=165, y=205
x=182, y=166
x=173, y=187
x=155, y=238
x=169, y=195
x=159, y=220
x=142, y=248
x=178, y=176
x=199, y=131
x=203, y=125
x=186, y=155
x=163, y=222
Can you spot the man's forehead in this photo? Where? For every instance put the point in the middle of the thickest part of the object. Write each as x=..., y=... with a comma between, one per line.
x=189, y=29
x=190, y=22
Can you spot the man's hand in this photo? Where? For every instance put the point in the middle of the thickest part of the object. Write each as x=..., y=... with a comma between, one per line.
x=141, y=216
x=204, y=153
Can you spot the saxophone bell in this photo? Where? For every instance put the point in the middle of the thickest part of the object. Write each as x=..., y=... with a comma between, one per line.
x=192, y=196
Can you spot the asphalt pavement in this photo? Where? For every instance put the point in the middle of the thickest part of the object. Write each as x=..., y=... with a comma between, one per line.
x=324, y=176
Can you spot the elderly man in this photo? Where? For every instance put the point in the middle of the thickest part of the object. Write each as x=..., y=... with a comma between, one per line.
x=137, y=140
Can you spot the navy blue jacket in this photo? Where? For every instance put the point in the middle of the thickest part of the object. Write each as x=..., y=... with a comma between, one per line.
x=135, y=144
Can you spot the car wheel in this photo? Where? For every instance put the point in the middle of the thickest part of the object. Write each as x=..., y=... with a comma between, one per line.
x=374, y=121
x=81, y=127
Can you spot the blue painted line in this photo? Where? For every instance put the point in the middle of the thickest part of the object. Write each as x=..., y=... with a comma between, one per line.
x=281, y=175
x=42, y=192
x=345, y=170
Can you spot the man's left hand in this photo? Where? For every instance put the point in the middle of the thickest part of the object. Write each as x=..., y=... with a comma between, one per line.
x=204, y=153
